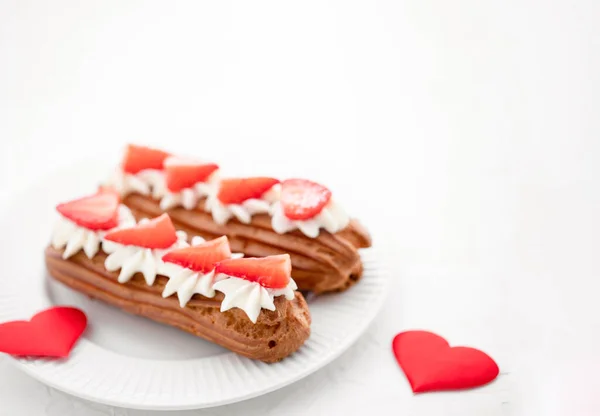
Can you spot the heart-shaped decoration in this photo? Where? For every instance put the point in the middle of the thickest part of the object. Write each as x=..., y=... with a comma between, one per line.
x=430, y=364
x=50, y=333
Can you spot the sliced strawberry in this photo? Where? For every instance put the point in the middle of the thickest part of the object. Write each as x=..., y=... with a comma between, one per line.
x=138, y=158
x=237, y=190
x=200, y=258
x=157, y=233
x=95, y=212
x=270, y=272
x=182, y=173
x=302, y=199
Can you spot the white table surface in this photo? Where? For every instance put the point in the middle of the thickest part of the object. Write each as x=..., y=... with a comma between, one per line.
x=464, y=133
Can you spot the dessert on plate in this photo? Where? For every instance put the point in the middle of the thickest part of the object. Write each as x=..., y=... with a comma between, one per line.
x=261, y=216
x=248, y=305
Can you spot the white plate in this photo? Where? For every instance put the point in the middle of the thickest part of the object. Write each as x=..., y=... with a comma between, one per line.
x=129, y=361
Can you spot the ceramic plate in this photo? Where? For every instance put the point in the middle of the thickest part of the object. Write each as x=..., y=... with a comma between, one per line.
x=129, y=361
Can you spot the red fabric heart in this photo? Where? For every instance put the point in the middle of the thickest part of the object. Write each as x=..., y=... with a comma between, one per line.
x=430, y=364
x=50, y=333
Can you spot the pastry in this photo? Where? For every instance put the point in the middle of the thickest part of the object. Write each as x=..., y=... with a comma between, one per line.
x=261, y=216
x=248, y=305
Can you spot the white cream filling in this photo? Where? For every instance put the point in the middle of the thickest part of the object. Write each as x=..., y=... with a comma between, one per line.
x=222, y=213
x=185, y=282
x=250, y=297
x=188, y=198
x=332, y=218
x=72, y=237
x=144, y=182
x=134, y=259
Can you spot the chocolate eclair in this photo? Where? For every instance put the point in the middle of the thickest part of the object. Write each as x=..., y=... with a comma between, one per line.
x=247, y=305
x=329, y=262
x=261, y=216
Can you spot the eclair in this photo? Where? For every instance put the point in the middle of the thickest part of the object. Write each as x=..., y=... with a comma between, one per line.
x=248, y=305
x=261, y=216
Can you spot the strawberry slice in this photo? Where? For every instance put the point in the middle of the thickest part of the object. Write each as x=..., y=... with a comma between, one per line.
x=183, y=173
x=302, y=199
x=138, y=158
x=95, y=212
x=237, y=190
x=270, y=272
x=158, y=233
x=200, y=258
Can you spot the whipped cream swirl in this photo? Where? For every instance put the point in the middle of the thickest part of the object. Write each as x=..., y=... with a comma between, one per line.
x=186, y=282
x=188, y=198
x=332, y=218
x=250, y=297
x=145, y=182
x=75, y=237
x=222, y=213
x=134, y=259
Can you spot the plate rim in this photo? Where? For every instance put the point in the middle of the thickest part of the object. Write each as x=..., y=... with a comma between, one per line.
x=24, y=364
x=349, y=342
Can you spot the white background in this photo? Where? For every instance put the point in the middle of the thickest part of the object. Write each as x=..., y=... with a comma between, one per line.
x=464, y=133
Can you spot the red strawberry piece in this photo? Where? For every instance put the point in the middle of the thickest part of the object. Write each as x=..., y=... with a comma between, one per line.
x=181, y=173
x=138, y=158
x=157, y=233
x=200, y=258
x=302, y=199
x=270, y=272
x=237, y=190
x=95, y=212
